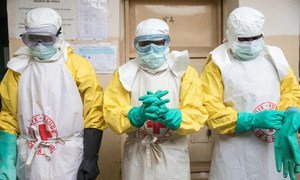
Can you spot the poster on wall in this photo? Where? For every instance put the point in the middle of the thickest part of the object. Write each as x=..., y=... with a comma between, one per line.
x=92, y=19
x=102, y=56
x=66, y=9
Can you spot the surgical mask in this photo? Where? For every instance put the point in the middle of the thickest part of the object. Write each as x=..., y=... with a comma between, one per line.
x=153, y=59
x=43, y=52
x=249, y=50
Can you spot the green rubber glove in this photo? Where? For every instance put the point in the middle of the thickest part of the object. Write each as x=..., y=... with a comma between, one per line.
x=154, y=112
x=267, y=119
x=8, y=156
x=153, y=97
x=157, y=105
x=172, y=118
x=137, y=116
x=287, y=153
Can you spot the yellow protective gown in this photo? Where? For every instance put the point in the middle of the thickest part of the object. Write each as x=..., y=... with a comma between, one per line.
x=223, y=117
x=117, y=105
x=88, y=86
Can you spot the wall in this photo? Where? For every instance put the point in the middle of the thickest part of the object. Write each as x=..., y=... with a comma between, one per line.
x=228, y=6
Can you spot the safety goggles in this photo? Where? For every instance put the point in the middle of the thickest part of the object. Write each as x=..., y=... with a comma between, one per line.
x=158, y=42
x=32, y=39
x=248, y=39
x=146, y=43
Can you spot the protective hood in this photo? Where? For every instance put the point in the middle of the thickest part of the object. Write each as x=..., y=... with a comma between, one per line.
x=45, y=20
x=42, y=17
x=152, y=26
x=244, y=22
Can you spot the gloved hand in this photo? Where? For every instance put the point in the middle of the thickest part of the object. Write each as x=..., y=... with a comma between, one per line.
x=137, y=115
x=88, y=169
x=286, y=147
x=8, y=155
x=154, y=103
x=169, y=117
x=156, y=111
x=153, y=97
x=267, y=119
x=159, y=112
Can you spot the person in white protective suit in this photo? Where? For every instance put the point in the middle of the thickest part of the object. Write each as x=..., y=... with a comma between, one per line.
x=248, y=86
x=51, y=121
x=155, y=100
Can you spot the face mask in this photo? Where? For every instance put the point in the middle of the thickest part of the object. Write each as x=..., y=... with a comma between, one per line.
x=246, y=51
x=153, y=59
x=43, y=52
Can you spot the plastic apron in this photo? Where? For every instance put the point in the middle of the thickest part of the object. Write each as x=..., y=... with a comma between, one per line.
x=155, y=152
x=50, y=145
x=249, y=86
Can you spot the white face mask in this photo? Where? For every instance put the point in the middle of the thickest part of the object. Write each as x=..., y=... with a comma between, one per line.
x=43, y=52
x=153, y=59
x=248, y=50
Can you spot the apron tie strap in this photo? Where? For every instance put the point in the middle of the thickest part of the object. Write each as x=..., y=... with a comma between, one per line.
x=149, y=143
x=43, y=143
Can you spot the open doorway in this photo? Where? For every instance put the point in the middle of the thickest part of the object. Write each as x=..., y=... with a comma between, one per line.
x=3, y=38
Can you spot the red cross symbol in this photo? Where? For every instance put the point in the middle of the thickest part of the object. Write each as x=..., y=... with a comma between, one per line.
x=44, y=133
x=155, y=126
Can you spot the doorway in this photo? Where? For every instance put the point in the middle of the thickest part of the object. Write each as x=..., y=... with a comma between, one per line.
x=3, y=40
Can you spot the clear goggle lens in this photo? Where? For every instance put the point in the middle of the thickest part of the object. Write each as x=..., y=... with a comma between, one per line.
x=146, y=43
x=158, y=42
x=33, y=39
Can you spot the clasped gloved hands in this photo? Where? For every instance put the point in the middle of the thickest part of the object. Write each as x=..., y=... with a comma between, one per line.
x=170, y=117
x=159, y=112
x=154, y=108
x=267, y=119
x=287, y=153
x=137, y=115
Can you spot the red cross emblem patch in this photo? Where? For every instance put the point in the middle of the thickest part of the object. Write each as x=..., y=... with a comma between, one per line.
x=265, y=135
x=45, y=129
x=154, y=129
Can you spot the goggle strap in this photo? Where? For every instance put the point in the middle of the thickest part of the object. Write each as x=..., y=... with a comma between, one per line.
x=58, y=32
